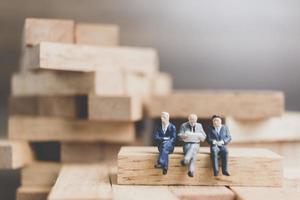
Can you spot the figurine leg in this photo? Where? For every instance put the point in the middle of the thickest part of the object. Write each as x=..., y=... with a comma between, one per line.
x=224, y=157
x=192, y=163
x=214, y=157
x=188, y=153
x=164, y=159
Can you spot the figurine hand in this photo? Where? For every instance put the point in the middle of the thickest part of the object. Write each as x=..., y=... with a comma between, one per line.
x=220, y=143
x=183, y=136
x=166, y=138
x=214, y=142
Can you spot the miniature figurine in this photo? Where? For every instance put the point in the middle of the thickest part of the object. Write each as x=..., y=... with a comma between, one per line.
x=165, y=138
x=191, y=133
x=218, y=137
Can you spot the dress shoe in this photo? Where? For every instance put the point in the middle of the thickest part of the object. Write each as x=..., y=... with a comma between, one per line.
x=165, y=171
x=216, y=174
x=226, y=173
x=190, y=174
x=182, y=163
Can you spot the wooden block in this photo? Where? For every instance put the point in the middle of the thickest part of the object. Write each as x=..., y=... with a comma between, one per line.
x=290, y=151
x=138, y=85
x=82, y=182
x=55, y=106
x=162, y=84
x=97, y=34
x=32, y=193
x=81, y=152
x=14, y=154
x=205, y=103
x=69, y=130
x=136, y=166
x=84, y=58
x=39, y=174
x=114, y=108
x=255, y=193
x=49, y=83
x=37, y=30
x=134, y=192
x=292, y=178
x=202, y=192
x=109, y=81
x=276, y=129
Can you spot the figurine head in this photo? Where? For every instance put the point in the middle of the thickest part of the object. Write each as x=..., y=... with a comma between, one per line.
x=192, y=119
x=165, y=117
x=217, y=120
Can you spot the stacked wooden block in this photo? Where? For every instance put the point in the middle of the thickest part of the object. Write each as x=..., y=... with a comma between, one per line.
x=79, y=88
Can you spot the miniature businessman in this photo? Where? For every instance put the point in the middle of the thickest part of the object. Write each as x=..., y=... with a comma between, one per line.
x=218, y=137
x=191, y=133
x=165, y=138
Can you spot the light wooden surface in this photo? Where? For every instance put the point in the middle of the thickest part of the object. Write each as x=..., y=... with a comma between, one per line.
x=58, y=129
x=136, y=166
x=290, y=151
x=88, y=152
x=97, y=34
x=40, y=173
x=82, y=182
x=114, y=108
x=205, y=103
x=52, y=83
x=202, y=192
x=52, y=106
x=292, y=177
x=14, y=154
x=162, y=84
x=32, y=193
x=37, y=30
x=85, y=58
x=275, y=129
x=134, y=192
x=255, y=193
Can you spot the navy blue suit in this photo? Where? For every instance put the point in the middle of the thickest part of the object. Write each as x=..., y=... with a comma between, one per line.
x=165, y=145
x=216, y=150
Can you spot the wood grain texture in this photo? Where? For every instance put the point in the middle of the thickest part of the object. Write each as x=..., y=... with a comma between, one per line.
x=255, y=193
x=114, y=108
x=136, y=166
x=202, y=192
x=162, y=84
x=69, y=130
x=137, y=192
x=32, y=193
x=50, y=83
x=37, y=30
x=97, y=34
x=14, y=154
x=39, y=174
x=84, y=58
x=52, y=106
x=81, y=152
x=82, y=182
x=205, y=103
x=276, y=129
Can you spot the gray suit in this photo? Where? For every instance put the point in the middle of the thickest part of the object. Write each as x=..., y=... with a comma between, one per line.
x=191, y=146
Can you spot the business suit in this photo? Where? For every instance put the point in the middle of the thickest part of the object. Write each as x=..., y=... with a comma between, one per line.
x=216, y=150
x=165, y=142
x=191, y=146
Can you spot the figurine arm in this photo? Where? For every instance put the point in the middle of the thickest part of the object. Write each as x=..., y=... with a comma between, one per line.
x=227, y=137
x=173, y=134
x=156, y=136
x=201, y=134
x=181, y=131
x=209, y=139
